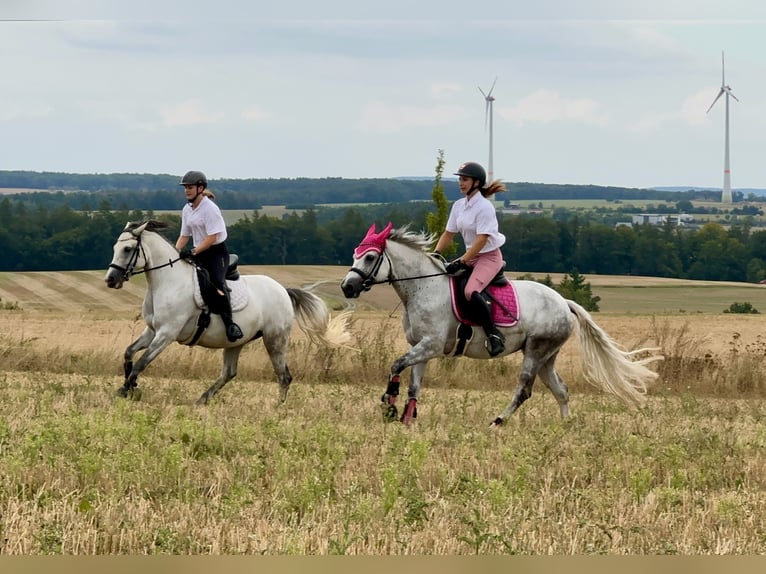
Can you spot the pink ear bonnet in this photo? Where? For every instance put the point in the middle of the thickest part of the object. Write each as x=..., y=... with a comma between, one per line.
x=373, y=241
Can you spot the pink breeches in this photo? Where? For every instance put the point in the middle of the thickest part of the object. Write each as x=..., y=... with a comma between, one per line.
x=485, y=267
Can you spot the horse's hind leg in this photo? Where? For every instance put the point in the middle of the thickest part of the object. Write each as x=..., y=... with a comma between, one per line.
x=276, y=347
x=228, y=372
x=558, y=388
x=529, y=367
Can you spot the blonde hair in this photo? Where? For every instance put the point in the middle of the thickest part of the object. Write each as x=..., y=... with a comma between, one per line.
x=208, y=193
x=495, y=187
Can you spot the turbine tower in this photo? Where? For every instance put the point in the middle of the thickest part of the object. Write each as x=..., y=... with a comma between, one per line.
x=725, y=89
x=489, y=98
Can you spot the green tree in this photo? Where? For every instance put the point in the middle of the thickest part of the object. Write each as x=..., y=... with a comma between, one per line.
x=437, y=221
x=573, y=286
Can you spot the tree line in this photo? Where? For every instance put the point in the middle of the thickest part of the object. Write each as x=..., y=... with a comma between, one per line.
x=161, y=192
x=41, y=238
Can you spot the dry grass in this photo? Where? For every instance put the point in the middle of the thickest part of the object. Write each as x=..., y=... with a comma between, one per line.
x=83, y=472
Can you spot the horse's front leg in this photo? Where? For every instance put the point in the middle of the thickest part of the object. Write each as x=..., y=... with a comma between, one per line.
x=142, y=342
x=158, y=343
x=411, y=407
x=416, y=357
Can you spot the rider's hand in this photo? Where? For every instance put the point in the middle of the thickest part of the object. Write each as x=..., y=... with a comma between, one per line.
x=186, y=253
x=455, y=266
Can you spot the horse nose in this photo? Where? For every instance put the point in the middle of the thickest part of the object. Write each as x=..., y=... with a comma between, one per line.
x=348, y=290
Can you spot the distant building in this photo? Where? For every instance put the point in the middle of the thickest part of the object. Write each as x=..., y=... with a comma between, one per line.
x=661, y=218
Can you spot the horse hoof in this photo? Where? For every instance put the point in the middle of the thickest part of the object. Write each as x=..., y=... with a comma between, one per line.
x=497, y=423
x=390, y=412
x=123, y=392
x=135, y=394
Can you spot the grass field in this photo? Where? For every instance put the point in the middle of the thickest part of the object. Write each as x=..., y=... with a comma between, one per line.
x=84, y=472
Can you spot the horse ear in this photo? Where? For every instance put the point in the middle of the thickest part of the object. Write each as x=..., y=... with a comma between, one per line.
x=387, y=230
x=140, y=229
x=370, y=231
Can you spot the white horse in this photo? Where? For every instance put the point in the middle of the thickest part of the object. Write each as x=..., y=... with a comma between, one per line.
x=171, y=314
x=545, y=320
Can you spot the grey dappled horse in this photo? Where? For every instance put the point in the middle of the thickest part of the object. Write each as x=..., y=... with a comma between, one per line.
x=171, y=314
x=546, y=321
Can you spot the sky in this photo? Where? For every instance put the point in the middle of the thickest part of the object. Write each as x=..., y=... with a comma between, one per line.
x=587, y=92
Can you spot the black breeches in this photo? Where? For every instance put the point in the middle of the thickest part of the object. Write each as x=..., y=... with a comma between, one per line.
x=215, y=260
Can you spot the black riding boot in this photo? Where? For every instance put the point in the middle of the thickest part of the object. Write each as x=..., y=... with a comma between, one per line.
x=483, y=308
x=233, y=332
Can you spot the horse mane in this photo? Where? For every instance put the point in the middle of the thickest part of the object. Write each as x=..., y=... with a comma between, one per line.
x=151, y=225
x=420, y=241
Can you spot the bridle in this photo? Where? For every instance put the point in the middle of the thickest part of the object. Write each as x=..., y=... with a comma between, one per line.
x=368, y=278
x=129, y=270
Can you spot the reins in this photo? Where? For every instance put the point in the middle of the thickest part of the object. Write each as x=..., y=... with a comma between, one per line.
x=129, y=271
x=367, y=278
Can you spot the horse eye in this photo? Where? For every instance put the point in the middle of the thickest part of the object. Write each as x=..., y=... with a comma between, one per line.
x=369, y=258
x=127, y=249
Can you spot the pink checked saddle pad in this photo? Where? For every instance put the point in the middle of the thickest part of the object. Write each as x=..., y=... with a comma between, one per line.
x=505, y=304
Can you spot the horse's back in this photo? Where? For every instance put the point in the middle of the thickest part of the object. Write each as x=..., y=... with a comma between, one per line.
x=542, y=310
x=268, y=298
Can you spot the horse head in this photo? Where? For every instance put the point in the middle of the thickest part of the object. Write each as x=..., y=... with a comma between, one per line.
x=368, y=259
x=129, y=252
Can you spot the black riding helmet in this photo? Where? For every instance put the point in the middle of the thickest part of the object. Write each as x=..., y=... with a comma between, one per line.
x=474, y=170
x=194, y=178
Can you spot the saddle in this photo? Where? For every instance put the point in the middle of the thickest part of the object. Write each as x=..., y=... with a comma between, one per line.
x=501, y=292
x=207, y=298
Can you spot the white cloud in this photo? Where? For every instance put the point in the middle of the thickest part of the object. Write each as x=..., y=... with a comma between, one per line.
x=691, y=112
x=439, y=90
x=383, y=118
x=255, y=113
x=546, y=106
x=23, y=111
x=188, y=113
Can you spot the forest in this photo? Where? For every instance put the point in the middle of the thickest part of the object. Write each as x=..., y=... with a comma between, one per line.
x=42, y=238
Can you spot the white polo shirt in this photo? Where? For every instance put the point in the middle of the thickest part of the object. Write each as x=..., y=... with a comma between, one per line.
x=205, y=220
x=475, y=217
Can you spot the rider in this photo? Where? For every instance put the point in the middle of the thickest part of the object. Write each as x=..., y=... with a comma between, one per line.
x=475, y=218
x=202, y=221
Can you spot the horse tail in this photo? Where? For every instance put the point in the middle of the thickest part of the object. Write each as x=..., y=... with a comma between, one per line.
x=607, y=366
x=314, y=319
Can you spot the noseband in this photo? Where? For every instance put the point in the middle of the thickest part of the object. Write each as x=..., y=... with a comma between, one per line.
x=368, y=278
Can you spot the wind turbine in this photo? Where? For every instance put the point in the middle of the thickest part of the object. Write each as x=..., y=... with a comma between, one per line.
x=725, y=89
x=489, y=98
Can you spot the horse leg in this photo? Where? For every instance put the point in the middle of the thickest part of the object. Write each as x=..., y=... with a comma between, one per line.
x=142, y=342
x=529, y=367
x=161, y=340
x=418, y=354
x=556, y=385
x=228, y=372
x=276, y=347
x=411, y=408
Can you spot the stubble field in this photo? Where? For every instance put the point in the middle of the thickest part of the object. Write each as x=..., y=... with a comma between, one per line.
x=83, y=472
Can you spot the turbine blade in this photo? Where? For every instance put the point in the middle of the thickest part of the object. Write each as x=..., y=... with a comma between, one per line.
x=723, y=75
x=720, y=92
x=482, y=92
x=492, y=88
x=486, y=114
x=732, y=94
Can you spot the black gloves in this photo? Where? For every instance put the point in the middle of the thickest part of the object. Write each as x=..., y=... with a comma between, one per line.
x=186, y=253
x=455, y=266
